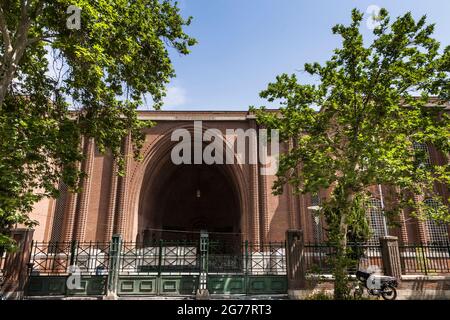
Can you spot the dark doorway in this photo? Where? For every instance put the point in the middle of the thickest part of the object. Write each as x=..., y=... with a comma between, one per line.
x=183, y=200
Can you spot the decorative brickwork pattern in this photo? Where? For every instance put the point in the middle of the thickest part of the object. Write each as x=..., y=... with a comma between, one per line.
x=83, y=204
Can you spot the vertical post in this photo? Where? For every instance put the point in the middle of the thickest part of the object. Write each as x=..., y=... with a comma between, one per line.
x=390, y=254
x=83, y=205
x=112, y=201
x=254, y=221
x=160, y=254
x=202, y=291
x=246, y=267
x=122, y=189
x=73, y=249
x=114, y=265
x=424, y=258
x=295, y=260
x=16, y=270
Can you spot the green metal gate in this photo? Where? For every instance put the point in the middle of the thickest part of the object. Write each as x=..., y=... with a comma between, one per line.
x=158, y=268
x=247, y=268
x=68, y=269
x=163, y=267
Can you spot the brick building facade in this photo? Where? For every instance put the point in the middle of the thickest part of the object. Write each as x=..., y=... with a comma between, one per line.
x=156, y=195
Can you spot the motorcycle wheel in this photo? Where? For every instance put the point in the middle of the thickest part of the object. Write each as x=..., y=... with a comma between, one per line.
x=389, y=293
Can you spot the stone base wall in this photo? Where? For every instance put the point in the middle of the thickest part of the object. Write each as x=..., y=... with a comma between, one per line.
x=411, y=287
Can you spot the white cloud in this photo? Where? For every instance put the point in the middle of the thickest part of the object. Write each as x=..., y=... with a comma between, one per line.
x=176, y=96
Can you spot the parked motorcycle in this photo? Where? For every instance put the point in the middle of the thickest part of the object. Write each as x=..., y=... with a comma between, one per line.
x=376, y=285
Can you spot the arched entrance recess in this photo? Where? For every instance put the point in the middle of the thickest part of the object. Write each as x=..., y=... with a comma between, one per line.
x=178, y=201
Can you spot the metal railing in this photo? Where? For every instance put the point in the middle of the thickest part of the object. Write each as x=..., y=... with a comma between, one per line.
x=427, y=259
x=168, y=256
x=181, y=257
x=233, y=257
x=68, y=257
x=267, y=259
x=318, y=257
x=248, y=258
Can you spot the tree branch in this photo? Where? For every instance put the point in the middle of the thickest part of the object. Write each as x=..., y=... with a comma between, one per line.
x=44, y=37
x=5, y=32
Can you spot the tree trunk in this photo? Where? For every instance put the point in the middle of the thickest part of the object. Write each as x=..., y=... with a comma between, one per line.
x=340, y=267
x=13, y=54
x=339, y=239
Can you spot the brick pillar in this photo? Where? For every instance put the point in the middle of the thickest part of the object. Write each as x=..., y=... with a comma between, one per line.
x=295, y=260
x=70, y=216
x=254, y=218
x=254, y=194
x=302, y=211
x=82, y=210
x=420, y=223
x=122, y=190
x=263, y=195
x=390, y=255
x=291, y=197
x=16, y=264
x=111, y=211
x=71, y=207
x=402, y=220
x=403, y=228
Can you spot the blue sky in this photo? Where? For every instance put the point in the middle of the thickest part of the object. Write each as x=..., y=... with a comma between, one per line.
x=244, y=44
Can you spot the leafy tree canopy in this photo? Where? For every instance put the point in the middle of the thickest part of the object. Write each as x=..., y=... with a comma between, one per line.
x=374, y=104
x=119, y=54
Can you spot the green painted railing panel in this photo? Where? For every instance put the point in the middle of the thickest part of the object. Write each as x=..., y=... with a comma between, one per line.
x=47, y=286
x=179, y=285
x=267, y=284
x=154, y=285
x=137, y=285
x=90, y=286
x=236, y=284
x=57, y=286
x=226, y=284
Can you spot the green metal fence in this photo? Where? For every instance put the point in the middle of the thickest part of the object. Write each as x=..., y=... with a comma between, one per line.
x=425, y=259
x=53, y=265
x=318, y=257
x=162, y=267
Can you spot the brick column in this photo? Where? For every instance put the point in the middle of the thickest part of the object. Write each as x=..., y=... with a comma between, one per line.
x=291, y=197
x=302, y=212
x=402, y=220
x=254, y=192
x=300, y=200
x=111, y=211
x=390, y=255
x=295, y=260
x=16, y=265
x=122, y=190
x=70, y=216
x=264, y=216
x=421, y=224
x=82, y=210
x=71, y=207
x=403, y=228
